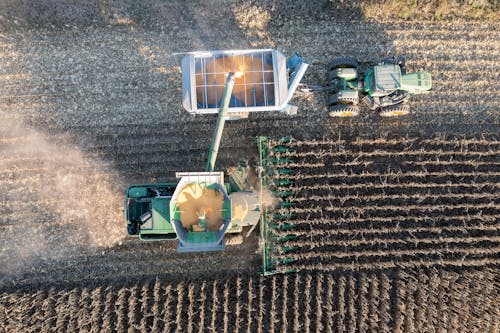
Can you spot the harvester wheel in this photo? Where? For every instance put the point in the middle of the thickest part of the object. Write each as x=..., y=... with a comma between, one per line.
x=344, y=62
x=395, y=110
x=344, y=110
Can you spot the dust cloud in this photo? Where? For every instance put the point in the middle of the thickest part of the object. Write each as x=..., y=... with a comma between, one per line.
x=54, y=201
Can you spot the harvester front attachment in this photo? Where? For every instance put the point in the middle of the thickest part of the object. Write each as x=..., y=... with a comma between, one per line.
x=276, y=232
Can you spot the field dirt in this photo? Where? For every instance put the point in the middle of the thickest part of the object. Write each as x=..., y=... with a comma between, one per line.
x=398, y=218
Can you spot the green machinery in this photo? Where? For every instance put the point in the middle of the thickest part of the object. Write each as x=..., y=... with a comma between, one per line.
x=384, y=86
x=201, y=207
x=275, y=231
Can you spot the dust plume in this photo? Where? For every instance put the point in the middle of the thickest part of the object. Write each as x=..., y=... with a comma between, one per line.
x=54, y=201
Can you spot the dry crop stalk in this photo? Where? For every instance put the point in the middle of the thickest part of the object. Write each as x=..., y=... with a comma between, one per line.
x=399, y=315
x=157, y=303
x=83, y=317
x=250, y=307
x=261, y=311
x=363, y=315
x=110, y=303
x=307, y=301
x=352, y=296
x=237, y=310
x=273, y=313
x=385, y=300
x=296, y=305
x=146, y=308
x=330, y=312
x=215, y=306
x=191, y=301
x=409, y=317
x=226, y=305
x=374, y=297
x=180, y=303
x=341, y=287
x=319, y=302
x=203, y=299
x=284, y=307
x=167, y=314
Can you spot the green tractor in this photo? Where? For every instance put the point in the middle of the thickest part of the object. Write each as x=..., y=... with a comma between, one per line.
x=384, y=87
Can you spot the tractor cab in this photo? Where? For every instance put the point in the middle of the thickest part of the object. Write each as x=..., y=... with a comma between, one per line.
x=382, y=80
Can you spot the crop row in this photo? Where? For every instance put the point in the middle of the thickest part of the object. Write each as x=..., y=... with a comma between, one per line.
x=395, y=300
x=343, y=210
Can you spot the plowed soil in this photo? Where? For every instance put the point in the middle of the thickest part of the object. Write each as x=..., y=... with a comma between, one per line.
x=397, y=218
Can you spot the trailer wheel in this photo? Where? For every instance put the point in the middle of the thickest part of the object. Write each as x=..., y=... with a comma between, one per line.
x=343, y=110
x=233, y=116
x=395, y=110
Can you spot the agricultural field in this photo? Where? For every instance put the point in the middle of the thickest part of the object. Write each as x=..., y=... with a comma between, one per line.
x=396, y=219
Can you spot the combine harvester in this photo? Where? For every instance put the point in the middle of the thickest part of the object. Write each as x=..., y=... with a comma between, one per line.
x=202, y=207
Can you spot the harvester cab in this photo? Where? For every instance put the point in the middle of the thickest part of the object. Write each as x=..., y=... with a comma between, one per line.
x=202, y=207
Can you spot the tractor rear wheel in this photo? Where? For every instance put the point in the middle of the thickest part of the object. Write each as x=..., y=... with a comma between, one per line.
x=334, y=100
x=344, y=110
x=366, y=101
x=344, y=62
x=395, y=110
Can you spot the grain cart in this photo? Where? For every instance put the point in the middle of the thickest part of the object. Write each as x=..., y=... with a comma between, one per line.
x=201, y=207
x=384, y=86
x=265, y=81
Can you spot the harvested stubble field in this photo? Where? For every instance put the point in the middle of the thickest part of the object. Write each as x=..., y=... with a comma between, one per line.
x=398, y=219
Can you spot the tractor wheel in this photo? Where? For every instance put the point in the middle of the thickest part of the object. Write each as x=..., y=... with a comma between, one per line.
x=344, y=110
x=333, y=100
x=395, y=110
x=344, y=62
x=367, y=102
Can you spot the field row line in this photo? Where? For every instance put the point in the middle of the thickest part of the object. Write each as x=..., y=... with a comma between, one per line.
x=380, y=196
x=407, y=208
x=384, y=221
x=404, y=141
x=331, y=267
x=308, y=245
x=361, y=232
x=383, y=153
x=390, y=174
x=371, y=186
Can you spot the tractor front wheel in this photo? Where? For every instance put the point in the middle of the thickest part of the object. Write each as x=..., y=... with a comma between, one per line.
x=344, y=62
x=395, y=110
x=344, y=110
